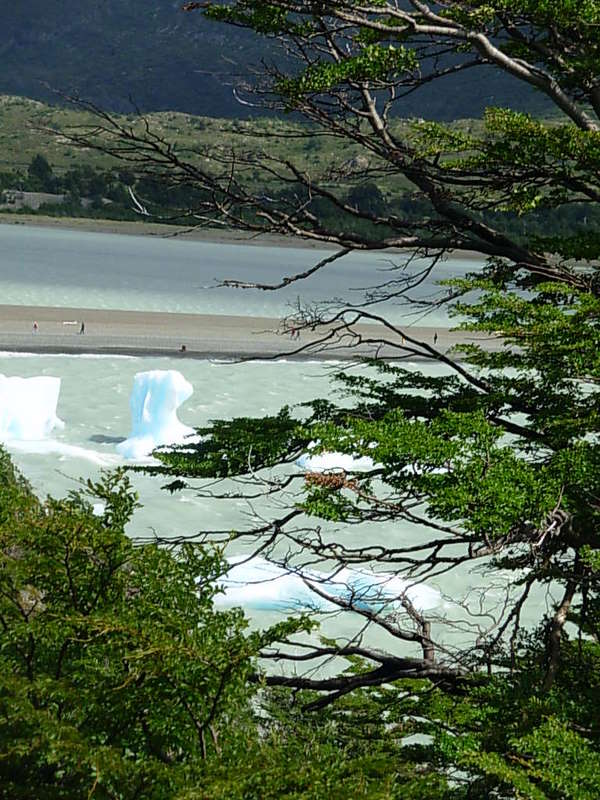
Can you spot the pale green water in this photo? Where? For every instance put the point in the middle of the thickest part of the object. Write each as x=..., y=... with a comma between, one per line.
x=56, y=267
x=65, y=268
x=94, y=404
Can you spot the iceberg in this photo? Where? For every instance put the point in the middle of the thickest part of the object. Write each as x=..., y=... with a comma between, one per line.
x=325, y=462
x=258, y=584
x=329, y=461
x=342, y=462
x=28, y=407
x=155, y=398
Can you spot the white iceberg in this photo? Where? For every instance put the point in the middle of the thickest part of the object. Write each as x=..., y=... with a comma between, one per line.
x=52, y=447
x=259, y=584
x=155, y=398
x=28, y=407
x=334, y=462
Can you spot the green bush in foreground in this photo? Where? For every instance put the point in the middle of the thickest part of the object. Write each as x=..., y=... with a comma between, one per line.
x=117, y=676
x=118, y=679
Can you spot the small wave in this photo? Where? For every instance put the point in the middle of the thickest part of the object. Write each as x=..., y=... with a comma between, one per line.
x=54, y=447
x=93, y=356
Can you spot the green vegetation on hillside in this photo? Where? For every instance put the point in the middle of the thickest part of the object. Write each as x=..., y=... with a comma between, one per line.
x=29, y=130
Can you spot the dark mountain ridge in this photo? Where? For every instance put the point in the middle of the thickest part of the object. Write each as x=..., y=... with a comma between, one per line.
x=150, y=53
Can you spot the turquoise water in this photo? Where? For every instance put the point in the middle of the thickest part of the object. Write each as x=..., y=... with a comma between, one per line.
x=58, y=267
x=94, y=405
x=65, y=268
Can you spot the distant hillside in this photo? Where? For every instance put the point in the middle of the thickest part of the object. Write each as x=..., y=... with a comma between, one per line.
x=164, y=59
x=114, y=50
x=42, y=172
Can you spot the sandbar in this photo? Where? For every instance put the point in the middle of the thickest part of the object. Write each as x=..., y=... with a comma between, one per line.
x=145, y=333
x=151, y=333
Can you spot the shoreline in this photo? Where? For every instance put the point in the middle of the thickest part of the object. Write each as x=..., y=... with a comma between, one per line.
x=192, y=234
x=158, y=229
x=204, y=336
x=190, y=335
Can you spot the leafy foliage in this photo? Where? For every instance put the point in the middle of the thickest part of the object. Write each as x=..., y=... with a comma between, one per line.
x=119, y=679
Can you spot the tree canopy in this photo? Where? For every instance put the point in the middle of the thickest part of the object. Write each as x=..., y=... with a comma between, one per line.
x=492, y=457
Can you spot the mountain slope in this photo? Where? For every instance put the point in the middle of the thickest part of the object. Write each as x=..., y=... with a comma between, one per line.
x=116, y=51
x=152, y=54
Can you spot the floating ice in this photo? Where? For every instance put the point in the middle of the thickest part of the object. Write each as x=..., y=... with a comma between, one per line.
x=63, y=451
x=260, y=585
x=28, y=407
x=336, y=462
x=325, y=462
x=155, y=398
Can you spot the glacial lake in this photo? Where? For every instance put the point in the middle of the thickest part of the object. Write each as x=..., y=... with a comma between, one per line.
x=59, y=267
x=54, y=267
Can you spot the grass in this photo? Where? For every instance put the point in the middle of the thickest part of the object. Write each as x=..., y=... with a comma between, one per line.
x=28, y=127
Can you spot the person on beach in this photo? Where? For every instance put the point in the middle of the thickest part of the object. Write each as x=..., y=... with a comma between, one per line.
x=435, y=338
x=82, y=329
x=36, y=327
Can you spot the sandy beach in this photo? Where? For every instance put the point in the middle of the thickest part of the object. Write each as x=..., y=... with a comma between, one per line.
x=204, y=336
x=193, y=335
